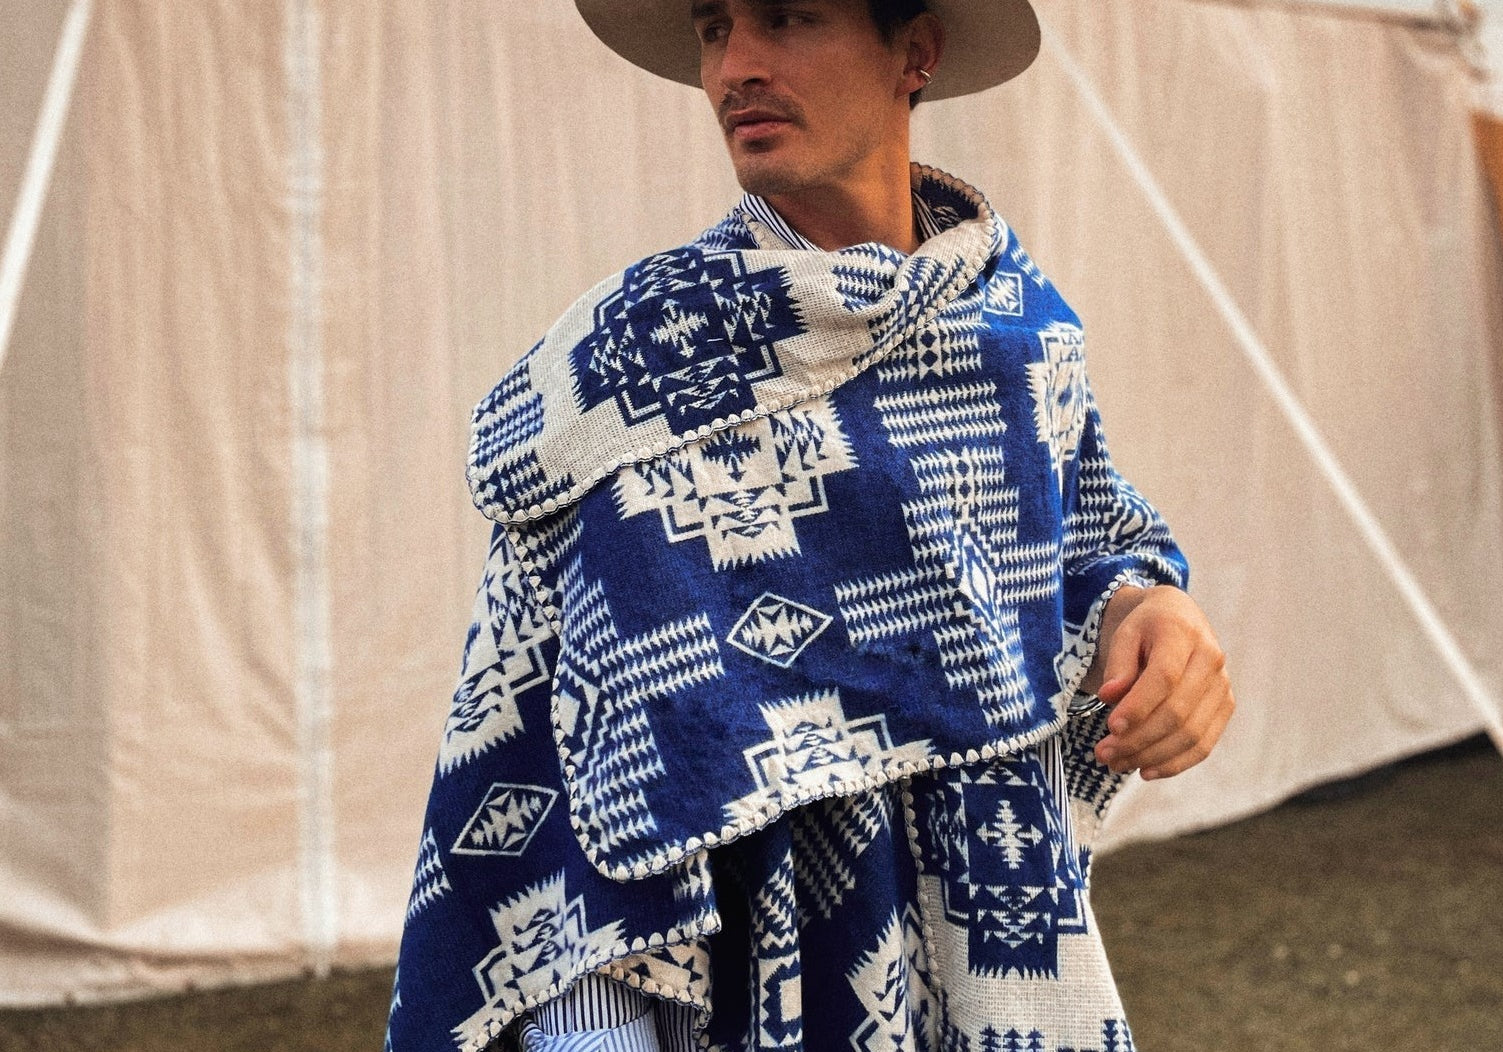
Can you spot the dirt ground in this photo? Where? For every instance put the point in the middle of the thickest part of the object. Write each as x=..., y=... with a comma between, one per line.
x=1371, y=921
x=1370, y=918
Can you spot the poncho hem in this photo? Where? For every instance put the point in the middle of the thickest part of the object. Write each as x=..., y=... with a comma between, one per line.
x=497, y=1018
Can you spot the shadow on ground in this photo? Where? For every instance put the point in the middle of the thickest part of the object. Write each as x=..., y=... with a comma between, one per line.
x=1366, y=917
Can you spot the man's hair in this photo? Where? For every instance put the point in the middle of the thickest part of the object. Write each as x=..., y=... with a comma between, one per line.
x=889, y=15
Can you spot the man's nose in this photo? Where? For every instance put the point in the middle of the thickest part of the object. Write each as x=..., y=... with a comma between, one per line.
x=744, y=59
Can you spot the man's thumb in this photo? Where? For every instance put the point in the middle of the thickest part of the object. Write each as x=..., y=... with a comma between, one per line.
x=1121, y=669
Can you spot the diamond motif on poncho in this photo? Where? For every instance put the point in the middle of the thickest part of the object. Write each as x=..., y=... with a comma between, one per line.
x=506, y=820
x=1004, y=295
x=777, y=629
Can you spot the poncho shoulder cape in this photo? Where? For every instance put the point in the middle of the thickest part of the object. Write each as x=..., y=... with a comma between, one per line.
x=772, y=526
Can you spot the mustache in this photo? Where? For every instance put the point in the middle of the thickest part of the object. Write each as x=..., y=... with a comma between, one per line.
x=735, y=101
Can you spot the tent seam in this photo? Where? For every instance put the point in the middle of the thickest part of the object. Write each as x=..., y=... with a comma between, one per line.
x=310, y=498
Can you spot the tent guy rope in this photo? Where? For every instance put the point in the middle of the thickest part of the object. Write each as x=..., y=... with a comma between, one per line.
x=39, y=164
x=1295, y=413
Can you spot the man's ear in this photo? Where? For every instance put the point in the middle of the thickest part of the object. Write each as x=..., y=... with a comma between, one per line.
x=926, y=42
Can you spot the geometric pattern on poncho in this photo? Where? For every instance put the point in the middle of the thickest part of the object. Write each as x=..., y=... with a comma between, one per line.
x=776, y=628
x=1058, y=387
x=962, y=535
x=889, y=981
x=506, y=820
x=964, y=530
x=813, y=739
x=514, y=414
x=603, y=686
x=829, y=837
x=430, y=881
x=741, y=489
x=780, y=985
x=541, y=931
x=685, y=336
x=776, y=967
x=503, y=656
x=1115, y=1037
x=692, y=340
x=1008, y=878
x=1004, y=295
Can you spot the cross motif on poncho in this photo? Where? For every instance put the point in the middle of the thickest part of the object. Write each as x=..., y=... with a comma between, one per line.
x=1012, y=837
x=1008, y=880
x=964, y=536
x=741, y=489
x=685, y=337
x=543, y=936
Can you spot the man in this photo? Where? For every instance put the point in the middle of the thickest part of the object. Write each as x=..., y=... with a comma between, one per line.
x=775, y=726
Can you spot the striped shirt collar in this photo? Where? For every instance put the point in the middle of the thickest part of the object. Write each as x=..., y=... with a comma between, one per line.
x=758, y=208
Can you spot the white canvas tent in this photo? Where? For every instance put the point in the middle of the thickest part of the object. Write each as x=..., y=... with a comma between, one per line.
x=263, y=258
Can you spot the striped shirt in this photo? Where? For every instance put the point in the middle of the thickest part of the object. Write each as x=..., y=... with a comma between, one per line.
x=760, y=210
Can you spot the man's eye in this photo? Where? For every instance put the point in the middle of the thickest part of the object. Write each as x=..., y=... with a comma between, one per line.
x=711, y=32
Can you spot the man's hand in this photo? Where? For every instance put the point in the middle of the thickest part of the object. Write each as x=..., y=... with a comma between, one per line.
x=1159, y=667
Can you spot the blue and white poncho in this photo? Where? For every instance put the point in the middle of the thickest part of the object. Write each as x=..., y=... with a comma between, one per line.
x=769, y=708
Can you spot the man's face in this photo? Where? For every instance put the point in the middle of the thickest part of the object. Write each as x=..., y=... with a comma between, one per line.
x=806, y=91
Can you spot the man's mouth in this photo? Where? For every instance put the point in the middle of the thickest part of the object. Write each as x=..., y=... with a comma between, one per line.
x=750, y=124
x=752, y=116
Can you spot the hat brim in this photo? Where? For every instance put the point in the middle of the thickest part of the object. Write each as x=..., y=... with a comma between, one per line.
x=987, y=42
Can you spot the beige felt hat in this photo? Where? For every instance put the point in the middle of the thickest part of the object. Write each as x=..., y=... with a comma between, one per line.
x=986, y=41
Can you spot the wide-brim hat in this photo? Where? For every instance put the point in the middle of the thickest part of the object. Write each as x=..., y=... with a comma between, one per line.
x=986, y=41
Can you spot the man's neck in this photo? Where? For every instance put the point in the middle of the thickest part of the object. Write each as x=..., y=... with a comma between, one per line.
x=878, y=209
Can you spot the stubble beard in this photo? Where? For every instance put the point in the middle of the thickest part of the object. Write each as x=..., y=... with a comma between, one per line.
x=766, y=178
x=758, y=168
x=806, y=160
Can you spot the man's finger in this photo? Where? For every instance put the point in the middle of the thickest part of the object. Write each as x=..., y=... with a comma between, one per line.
x=1114, y=690
x=1182, y=691
x=1185, y=760
x=1182, y=730
x=1181, y=725
x=1134, y=726
x=1153, y=685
